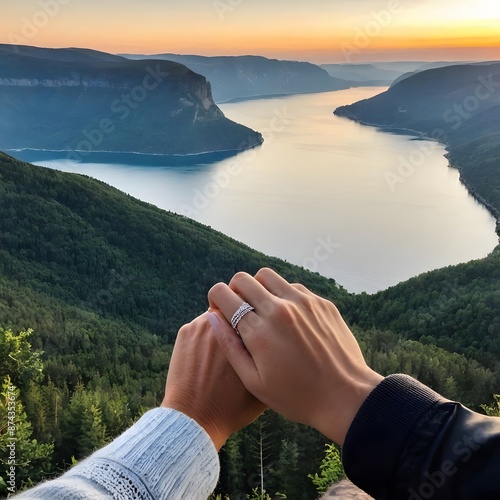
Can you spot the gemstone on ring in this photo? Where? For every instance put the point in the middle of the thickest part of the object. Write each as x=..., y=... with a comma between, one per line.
x=244, y=309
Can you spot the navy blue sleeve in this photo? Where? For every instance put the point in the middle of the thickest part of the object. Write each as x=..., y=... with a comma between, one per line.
x=408, y=442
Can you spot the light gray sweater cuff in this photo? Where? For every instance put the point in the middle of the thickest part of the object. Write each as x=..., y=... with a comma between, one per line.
x=165, y=455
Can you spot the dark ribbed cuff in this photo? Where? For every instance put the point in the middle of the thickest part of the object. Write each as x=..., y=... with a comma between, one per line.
x=382, y=428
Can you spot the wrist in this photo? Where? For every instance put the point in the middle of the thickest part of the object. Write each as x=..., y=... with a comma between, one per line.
x=215, y=432
x=343, y=405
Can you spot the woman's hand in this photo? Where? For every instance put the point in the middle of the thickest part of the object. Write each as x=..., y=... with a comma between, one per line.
x=295, y=353
x=203, y=385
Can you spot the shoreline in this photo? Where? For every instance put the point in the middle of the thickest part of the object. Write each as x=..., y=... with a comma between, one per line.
x=127, y=157
x=488, y=206
x=257, y=97
x=449, y=153
x=409, y=135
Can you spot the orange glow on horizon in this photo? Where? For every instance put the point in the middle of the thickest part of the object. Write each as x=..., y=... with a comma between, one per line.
x=283, y=47
x=316, y=31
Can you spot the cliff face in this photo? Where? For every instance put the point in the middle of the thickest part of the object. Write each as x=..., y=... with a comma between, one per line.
x=243, y=77
x=92, y=103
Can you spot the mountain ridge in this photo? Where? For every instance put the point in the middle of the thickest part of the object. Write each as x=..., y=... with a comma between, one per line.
x=249, y=76
x=110, y=103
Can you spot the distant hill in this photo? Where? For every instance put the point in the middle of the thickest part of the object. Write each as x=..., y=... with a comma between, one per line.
x=84, y=100
x=458, y=105
x=434, y=65
x=379, y=73
x=368, y=74
x=408, y=66
x=243, y=77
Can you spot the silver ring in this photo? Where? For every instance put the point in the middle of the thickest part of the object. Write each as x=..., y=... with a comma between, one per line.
x=244, y=309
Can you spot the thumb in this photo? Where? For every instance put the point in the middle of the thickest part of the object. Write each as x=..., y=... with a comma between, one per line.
x=235, y=352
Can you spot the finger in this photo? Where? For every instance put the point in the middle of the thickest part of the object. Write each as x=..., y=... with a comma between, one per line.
x=227, y=301
x=274, y=283
x=222, y=298
x=258, y=296
x=318, y=299
x=250, y=290
x=236, y=354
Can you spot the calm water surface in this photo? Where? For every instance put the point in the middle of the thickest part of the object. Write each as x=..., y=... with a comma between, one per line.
x=367, y=208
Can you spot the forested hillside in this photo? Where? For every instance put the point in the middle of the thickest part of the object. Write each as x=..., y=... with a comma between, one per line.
x=456, y=307
x=105, y=281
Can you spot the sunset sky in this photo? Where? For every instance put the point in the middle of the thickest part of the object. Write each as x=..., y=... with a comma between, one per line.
x=319, y=31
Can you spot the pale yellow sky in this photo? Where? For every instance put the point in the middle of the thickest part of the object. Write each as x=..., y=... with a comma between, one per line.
x=315, y=30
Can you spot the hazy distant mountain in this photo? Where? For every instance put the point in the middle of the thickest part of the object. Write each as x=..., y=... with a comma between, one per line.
x=408, y=66
x=379, y=73
x=362, y=73
x=458, y=105
x=84, y=100
x=243, y=77
x=432, y=65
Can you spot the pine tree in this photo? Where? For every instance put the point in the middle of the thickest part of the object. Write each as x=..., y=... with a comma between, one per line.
x=24, y=461
x=234, y=464
x=19, y=361
x=287, y=469
x=93, y=431
x=82, y=424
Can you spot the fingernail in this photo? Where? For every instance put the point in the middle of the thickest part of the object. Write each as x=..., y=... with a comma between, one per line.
x=213, y=320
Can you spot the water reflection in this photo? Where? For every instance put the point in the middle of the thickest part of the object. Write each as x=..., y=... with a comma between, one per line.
x=317, y=193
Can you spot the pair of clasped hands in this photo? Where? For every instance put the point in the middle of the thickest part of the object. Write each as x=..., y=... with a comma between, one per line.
x=293, y=353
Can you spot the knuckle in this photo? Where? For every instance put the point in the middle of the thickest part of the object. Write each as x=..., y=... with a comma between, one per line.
x=304, y=298
x=300, y=287
x=238, y=278
x=183, y=331
x=264, y=272
x=305, y=303
x=216, y=290
x=333, y=308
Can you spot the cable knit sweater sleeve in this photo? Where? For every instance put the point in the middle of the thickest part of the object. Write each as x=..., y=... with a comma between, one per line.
x=165, y=455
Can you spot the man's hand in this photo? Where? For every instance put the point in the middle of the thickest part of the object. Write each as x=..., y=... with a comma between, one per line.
x=295, y=353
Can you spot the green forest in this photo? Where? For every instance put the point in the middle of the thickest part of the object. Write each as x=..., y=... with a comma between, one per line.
x=95, y=284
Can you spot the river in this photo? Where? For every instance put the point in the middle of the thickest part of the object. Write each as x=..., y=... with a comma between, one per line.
x=365, y=207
